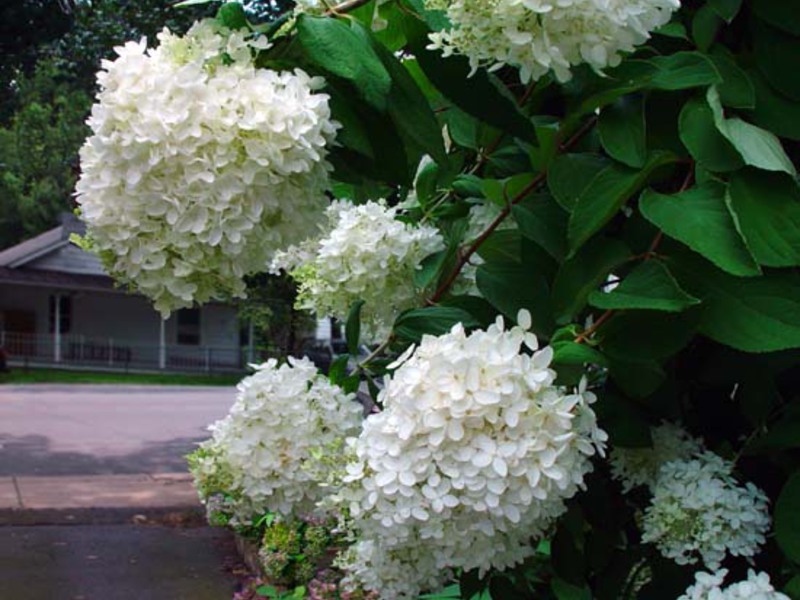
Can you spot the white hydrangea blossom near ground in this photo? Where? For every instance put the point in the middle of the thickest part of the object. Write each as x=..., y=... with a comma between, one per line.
x=700, y=512
x=200, y=166
x=708, y=586
x=365, y=253
x=539, y=36
x=639, y=466
x=474, y=454
x=286, y=418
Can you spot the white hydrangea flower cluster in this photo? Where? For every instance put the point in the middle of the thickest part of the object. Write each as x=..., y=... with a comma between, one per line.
x=699, y=511
x=200, y=165
x=539, y=36
x=474, y=455
x=365, y=253
x=708, y=586
x=639, y=466
x=285, y=418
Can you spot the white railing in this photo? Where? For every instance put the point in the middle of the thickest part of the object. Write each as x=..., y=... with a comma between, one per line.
x=25, y=349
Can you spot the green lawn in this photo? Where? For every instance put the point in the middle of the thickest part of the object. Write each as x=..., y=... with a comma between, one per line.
x=20, y=375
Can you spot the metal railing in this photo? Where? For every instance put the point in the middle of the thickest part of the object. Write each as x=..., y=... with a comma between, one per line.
x=74, y=350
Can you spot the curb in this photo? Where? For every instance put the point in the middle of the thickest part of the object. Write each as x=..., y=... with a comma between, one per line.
x=176, y=516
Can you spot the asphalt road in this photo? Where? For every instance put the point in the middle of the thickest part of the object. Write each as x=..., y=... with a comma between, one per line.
x=104, y=429
x=116, y=562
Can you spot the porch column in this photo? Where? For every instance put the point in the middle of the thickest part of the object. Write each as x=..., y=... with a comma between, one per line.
x=57, y=329
x=162, y=344
x=250, y=346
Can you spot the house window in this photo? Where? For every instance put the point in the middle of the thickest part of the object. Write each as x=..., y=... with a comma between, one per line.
x=189, y=327
x=65, y=310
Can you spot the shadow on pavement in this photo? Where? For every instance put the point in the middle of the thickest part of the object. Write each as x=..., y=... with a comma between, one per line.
x=31, y=455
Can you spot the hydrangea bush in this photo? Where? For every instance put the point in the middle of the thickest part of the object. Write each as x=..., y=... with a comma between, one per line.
x=617, y=178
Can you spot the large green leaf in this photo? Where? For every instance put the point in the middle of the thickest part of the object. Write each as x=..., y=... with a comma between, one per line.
x=476, y=94
x=570, y=174
x=509, y=287
x=700, y=219
x=704, y=141
x=352, y=328
x=643, y=335
x=773, y=110
x=335, y=47
x=683, y=70
x=408, y=107
x=605, y=195
x=787, y=518
x=543, y=221
x=433, y=320
x=583, y=273
x=768, y=209
x=736, y=89
x=758, y=147
x=777, y=55
x=784, y=14
x=758, y=314
x=622, y=130
x=648, y=286
x=623, y=420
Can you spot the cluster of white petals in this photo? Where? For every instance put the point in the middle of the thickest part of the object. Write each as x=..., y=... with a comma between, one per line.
x=539, y=36
x=200, y=165
x=699, y=511
x=708, y=586
x=473, y=456
x=639, y=466
x=365, y=253
x=285, y=419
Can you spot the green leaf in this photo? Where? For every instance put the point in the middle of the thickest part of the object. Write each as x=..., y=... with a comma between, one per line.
x=643, y=335
x=792, y=587
x=193, y=3
x=353, y=134
x=773, y=110
x=543, y=221
x=759, y=314
x=784, y=14
x=335, y=47
x=768, y=209
x=477, y=95
x=622, y=131
x=570, y=353
x=451, y=592
x=232, y=15
x=736, y=89
x=623, y=420
x=683, y=70
x=408, y=107
x=583, y=273
x=509, y=287
x=570, y=174
x=673, y=30
x=637, y=378
x=787, y=518
x=648, y=286
x=433, y=320
x=605, y=195
x=547, y=129
x=706, y=24
x=777, y=55
x=352, y=328
x=758, y=147
x=700, y=219
x=781, y=435
x=704, y=141
x=727, y=9
x=568, y=591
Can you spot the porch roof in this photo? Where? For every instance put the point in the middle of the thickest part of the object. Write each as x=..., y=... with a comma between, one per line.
x=58, y=279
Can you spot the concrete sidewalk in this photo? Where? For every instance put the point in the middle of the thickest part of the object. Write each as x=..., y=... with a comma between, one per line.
x=94, y=498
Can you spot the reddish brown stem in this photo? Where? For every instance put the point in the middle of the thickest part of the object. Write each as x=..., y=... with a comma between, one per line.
x=466, y=254
x=594, y=327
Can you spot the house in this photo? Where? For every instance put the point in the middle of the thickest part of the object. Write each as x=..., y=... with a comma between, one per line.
x=58, y=307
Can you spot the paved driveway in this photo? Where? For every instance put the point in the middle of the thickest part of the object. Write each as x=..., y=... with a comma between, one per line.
x=104, y=429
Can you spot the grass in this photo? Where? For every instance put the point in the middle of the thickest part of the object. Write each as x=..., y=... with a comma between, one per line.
x=21, y=375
